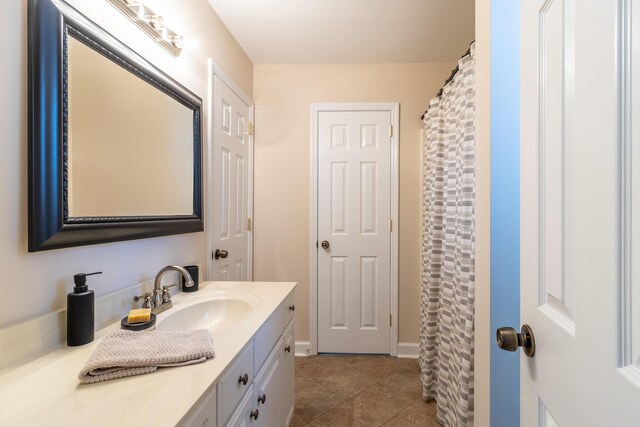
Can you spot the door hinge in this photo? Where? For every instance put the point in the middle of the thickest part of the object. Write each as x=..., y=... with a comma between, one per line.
x=249, y=224
x=390, y=131
x=390, y=321
x=250, y=128
x=212, y=257
x=390, y=225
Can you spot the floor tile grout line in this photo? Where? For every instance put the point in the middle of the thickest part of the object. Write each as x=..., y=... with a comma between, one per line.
x=344, y=401
x=397, y=413
x=362, y=391
x=331, y=409
x=395, y=368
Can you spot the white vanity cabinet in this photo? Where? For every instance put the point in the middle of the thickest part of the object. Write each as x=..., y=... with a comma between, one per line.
x=252, y=336
x=258, y=388
x=274, y=384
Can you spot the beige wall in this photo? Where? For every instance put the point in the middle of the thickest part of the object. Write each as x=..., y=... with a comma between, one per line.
x=36, y=284
x=282, y=95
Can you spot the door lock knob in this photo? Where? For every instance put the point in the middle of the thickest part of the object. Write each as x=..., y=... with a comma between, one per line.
x=325, y=244
x=510, y=340
x=220, y=254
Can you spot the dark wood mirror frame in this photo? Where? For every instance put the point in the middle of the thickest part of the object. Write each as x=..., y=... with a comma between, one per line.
x=50, y=23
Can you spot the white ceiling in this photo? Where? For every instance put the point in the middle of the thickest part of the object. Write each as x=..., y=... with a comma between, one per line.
x=349, y=31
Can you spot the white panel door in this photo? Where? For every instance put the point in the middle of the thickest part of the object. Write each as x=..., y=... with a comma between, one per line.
x=354, y=208
x=231, y=118
x=580, y=280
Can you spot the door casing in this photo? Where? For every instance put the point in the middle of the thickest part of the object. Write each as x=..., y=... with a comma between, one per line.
x=394, y=109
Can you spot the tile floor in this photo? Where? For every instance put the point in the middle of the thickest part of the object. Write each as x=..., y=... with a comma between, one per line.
x=360, y=390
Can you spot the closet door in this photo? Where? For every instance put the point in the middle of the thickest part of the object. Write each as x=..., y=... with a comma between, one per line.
x=354, y=211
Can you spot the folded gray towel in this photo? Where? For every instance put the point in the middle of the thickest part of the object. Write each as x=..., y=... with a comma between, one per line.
x=125, y=353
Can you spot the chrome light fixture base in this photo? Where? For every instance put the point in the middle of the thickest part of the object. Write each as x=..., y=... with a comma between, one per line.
x=150, y=23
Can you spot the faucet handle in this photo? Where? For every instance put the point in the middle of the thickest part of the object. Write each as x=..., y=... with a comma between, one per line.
x=166, y=296
x=147, y=300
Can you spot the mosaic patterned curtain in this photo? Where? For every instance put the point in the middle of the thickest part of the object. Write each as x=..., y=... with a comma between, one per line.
x=448, y=243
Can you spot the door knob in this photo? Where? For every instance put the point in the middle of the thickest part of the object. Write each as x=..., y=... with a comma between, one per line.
x=220, y=254
x=508, y=339
x=325, y=244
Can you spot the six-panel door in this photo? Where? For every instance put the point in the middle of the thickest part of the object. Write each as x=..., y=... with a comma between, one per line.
x=230, y=184
x=354, y=210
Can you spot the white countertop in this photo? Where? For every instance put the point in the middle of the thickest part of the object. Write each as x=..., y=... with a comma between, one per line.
x=47, y=392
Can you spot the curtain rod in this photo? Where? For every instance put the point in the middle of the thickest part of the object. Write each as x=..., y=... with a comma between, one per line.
x=451, y=76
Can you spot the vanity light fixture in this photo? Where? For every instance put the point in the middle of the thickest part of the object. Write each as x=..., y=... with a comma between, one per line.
x=151, y=23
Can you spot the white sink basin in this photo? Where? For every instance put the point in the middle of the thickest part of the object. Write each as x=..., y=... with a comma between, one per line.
x=211, y=312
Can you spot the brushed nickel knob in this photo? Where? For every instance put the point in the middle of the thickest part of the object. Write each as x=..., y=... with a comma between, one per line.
x=325, y=244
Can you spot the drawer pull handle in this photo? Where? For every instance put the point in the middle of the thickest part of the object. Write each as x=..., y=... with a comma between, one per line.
x=292, y=307
x=262, y=399
x=288, y=349
x=254, y=414
x=244, y=379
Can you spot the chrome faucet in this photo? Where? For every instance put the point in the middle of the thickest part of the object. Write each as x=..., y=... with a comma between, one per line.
x=161, y=295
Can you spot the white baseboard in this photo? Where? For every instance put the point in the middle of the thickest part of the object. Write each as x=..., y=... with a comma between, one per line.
x=302, y=348
x=408, y=350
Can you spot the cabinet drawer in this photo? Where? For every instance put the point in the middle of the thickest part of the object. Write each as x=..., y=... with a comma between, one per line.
x=203, y=414
x=288, y=308
x=242, y=415
x=231, y=388
x=266, y=338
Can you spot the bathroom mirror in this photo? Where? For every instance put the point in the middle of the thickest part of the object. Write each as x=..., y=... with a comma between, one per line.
x=114, y=143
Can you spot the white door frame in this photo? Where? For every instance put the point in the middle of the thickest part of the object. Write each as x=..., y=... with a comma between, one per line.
x=215, y=70
x=394, y=109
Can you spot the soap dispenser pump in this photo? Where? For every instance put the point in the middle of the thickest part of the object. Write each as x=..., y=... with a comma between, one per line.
x=80, y=311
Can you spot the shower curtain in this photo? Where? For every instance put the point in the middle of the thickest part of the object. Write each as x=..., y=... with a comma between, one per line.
x=448, y=241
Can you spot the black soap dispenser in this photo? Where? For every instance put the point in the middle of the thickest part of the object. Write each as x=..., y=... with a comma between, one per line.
x=80, y=312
